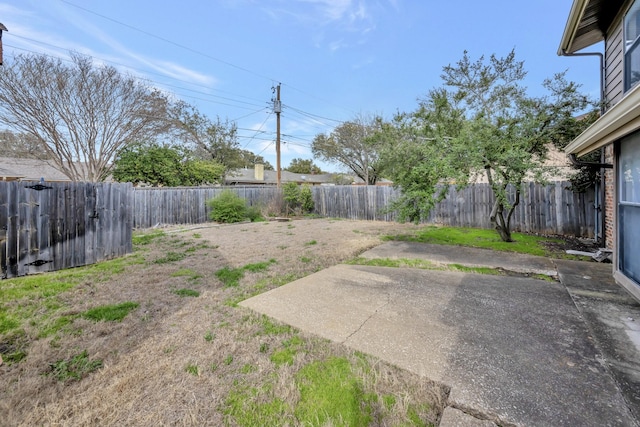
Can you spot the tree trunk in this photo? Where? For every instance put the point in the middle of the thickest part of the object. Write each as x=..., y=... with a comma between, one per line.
x=499, y=223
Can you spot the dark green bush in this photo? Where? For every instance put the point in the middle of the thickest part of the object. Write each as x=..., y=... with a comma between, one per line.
x=229, y=207
x=254, y=214
x=298, y=199
x=306, y=199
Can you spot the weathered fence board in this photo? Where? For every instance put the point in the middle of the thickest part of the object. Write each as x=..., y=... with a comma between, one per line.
x=52, y=226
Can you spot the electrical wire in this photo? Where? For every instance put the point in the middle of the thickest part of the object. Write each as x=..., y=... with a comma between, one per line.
x=141, y=71
x=169, y=41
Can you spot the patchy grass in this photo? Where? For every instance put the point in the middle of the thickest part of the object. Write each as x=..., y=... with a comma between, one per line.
x=192, y=369
x=231, y=277
x=290, y=348
x=146, y=238
x=332, y=394
x=481, y=238
x=171, y=257
x=261, y=286
x=395, y=263
x=186, y=292
x=111, y=312
x=255, y=367
x=33, y=302
x=427, y=265
x=188, y=273
x=74, y=368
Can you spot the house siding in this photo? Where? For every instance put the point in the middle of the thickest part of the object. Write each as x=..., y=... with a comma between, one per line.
x=614, y=70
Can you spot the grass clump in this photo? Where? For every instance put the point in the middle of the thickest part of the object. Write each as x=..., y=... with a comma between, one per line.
x=271, y=328
x=111, y=313
x=230, y=277
x=171, y=257
x=188, y=273
x=74, y=368
x=186, y=292
x=332, y=394
x=286, y=355
x=192, y=369
x=142, y=239
x=251, y=406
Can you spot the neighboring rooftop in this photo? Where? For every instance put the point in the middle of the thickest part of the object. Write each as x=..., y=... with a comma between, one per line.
x=269, y=177
x=19, y=169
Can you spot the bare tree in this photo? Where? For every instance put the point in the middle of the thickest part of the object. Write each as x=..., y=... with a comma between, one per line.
x=21, y=145
x=81, y=114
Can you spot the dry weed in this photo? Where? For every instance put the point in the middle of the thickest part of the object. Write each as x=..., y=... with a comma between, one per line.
x=144, y=379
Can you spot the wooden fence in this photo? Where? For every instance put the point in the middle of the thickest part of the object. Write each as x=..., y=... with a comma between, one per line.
x=550, y=209
x=52, y=226
x=154, y=206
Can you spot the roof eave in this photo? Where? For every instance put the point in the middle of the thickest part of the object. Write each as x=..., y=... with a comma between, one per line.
x=619, y=121
x=584, y=26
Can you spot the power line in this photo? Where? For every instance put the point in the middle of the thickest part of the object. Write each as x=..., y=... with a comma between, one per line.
x=168, y=41
x=141, y=71
x=313, y=115
x=259, y=130
x=201, y=53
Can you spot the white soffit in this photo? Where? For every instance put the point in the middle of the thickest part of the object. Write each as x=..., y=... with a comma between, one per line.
x=620, y=120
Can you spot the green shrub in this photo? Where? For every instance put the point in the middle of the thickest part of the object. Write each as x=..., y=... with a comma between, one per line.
x=306, y=199
x=254, y=214
x=298, y=199
x=291, y=195
x=227, y=207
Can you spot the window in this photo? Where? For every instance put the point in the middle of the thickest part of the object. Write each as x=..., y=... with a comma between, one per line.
x=631, y=49
x=629, y=207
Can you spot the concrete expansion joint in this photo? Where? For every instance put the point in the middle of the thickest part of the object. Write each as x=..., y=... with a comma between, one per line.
x=368, y=318
x=481, y=416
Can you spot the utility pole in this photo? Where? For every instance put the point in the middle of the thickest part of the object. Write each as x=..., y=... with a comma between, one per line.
x=277, y=108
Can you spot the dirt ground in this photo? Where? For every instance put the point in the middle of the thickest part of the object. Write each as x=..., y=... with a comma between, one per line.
x=179, y=360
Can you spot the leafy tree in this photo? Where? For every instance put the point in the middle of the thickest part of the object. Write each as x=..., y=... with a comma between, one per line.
x=213, y=140
x=248, y=159
x=79, y=114
x=159, y=165
x=356, y=145
x=303, y=166
x=480, y=123
x=198, y=172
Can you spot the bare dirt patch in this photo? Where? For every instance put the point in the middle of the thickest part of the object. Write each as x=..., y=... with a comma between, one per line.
x=181, y=359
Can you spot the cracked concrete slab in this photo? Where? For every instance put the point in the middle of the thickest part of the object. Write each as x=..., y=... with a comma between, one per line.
x=515, y=351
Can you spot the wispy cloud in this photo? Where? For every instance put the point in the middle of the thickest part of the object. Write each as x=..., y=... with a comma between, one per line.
x=41, y=35
x=333, y=22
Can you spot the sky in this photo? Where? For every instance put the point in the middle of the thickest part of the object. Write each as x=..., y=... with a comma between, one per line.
x=333, y=59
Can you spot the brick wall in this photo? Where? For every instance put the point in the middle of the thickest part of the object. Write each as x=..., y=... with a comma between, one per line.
x=609, y=199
